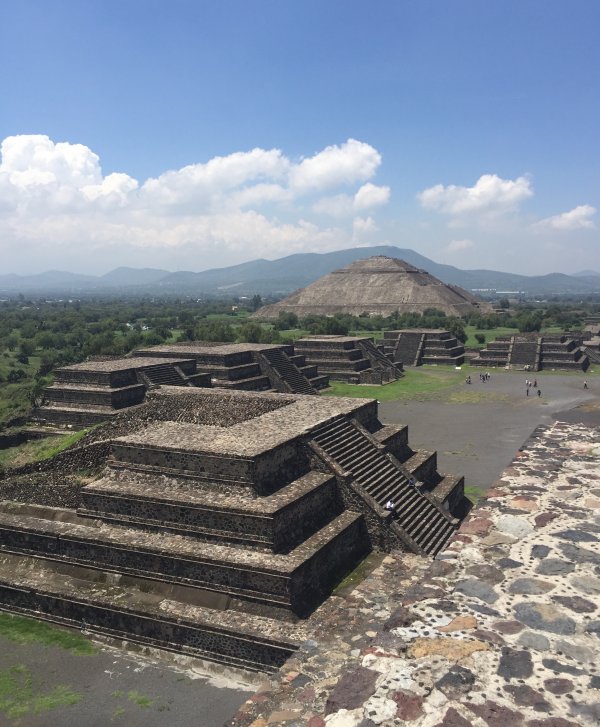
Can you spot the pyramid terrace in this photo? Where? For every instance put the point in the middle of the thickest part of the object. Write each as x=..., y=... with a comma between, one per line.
x=223, y=519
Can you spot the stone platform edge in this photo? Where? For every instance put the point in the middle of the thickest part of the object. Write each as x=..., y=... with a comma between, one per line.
x=501, y=630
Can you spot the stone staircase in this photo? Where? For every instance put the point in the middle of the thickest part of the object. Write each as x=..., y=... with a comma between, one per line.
x=293, y=379
x=91, y=392
x=414, y=347
x=246, y=366
x=524, y=353
x=422, y=523
x=164, y=375
x=558, y=351
x=222, y=521
x=353, y=359
x=379, y=361
x=592, y=354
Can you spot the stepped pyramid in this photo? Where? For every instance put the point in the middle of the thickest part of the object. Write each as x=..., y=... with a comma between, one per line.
x=223, y=519
x=379, y=285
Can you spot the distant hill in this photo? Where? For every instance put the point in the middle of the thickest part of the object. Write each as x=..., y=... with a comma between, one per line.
x=124, y=277
x=285, y=275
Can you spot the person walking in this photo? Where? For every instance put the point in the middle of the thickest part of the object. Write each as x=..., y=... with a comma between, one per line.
x=539, y=392
x=585, y=385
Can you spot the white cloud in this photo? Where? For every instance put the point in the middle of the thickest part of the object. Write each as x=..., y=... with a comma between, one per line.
x=490, y=194
x=341, y=205
x=363, y=228
x=335, y=166
x=259, y=202
x=370, y=195
x=579, y=218
x=459, y=246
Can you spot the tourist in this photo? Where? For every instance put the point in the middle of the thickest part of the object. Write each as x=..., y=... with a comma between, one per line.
x=585, y=385
x=390, y=506
x=535, y=383
x=527, y=389
x=539, y=392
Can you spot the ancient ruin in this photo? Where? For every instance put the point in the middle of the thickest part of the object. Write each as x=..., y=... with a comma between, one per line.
x=534, y=352
x=221, y=519
x=378, y=285
x=418, y=346
x=355, y=359
x=90, y=392
x=501, y=629
x=247, y=366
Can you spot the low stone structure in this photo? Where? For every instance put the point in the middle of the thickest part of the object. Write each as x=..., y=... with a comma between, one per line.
x=355, y=359
x=379, y=285
x=418, y=346
x=500, y=630
x=248, y=366
x=222, y=518
x=534, y=352
x=91, y=392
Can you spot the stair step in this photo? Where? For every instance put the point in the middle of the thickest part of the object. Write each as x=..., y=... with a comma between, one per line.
x=35, y=588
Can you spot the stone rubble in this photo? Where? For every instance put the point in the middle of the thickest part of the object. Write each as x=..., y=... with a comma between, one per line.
x=501, y=630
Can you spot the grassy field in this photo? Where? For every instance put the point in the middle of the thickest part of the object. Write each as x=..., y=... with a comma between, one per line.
x=430, y=382
x=490, y=335
x=38, y=450
x=23, y=630
x=417, y=384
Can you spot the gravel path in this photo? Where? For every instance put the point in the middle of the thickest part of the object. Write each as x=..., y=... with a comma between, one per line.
x=479, y=438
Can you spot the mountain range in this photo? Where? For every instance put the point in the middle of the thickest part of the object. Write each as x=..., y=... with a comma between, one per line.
x=284, y=275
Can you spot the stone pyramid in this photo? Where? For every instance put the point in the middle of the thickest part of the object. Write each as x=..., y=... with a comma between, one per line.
x=378, y=285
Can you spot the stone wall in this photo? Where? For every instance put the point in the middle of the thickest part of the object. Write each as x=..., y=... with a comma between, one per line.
x=500, y=630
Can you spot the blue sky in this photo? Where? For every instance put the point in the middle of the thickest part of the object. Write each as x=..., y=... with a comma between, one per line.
x=189, y=134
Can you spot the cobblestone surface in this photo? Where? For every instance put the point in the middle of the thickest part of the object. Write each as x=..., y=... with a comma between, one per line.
x=122, y=364
x=502, y=629
x=250, y=437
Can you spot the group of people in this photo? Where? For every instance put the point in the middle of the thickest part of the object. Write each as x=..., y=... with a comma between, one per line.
x=532, y=385
x=482, y=377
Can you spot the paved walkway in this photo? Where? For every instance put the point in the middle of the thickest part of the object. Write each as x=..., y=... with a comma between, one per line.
x=500, y=631
x=479, y=438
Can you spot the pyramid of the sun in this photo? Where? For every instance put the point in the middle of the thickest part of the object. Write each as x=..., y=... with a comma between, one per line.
x=378, y=285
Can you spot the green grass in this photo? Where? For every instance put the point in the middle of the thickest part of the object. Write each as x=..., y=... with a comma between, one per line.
x=38, y=450
x=490, y=335
x=19, y=695
x=134, y=696
x=417, y=384
x=362, y=570
x=474, y=493
x=23, y=630
x=292, y=334
x=377, y=335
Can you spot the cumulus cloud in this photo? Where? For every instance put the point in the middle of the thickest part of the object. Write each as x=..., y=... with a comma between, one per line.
x=579, y=218
x=367, y=197
x=370, y=195
x=258, y=201
x=362, y=229
x=335, y=166
x=490, y=194
x=457, y=246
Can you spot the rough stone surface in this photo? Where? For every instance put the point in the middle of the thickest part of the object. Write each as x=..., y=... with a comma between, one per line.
x=463, y=658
